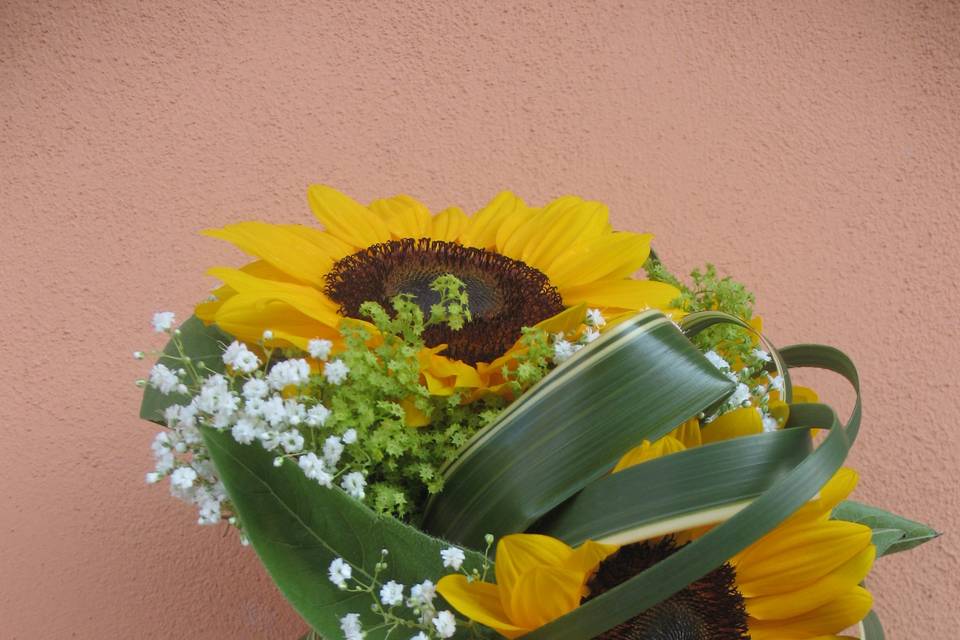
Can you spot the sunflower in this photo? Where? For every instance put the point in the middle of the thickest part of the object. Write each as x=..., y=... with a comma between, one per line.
x=799, y=582
x=539, y=579
x=521, y=267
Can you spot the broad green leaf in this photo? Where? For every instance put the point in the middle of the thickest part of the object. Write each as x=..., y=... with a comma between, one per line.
x=891, y=533
x=683, y=490
x=203, y=344
x=721, y=543
x=298, y=527
x=639, y=381
x=871, y=627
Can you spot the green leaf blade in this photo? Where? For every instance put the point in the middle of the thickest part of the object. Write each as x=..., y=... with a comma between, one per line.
x=639, y=381
x=891, y=533
x=298, y=527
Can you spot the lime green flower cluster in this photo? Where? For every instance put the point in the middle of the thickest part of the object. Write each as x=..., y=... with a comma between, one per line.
x=404, y=434
x=709, y=292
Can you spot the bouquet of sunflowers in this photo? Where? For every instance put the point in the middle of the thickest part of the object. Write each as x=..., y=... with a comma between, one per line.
x=450, y=426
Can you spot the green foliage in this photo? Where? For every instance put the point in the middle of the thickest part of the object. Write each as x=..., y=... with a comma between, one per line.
x=453, y=309
x=709, y=292
x=891, y=533
x=383, y=394
x=298, y=528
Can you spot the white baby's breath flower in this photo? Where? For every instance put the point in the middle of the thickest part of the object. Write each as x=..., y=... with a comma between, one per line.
x=246, y=430
x=595, y=318
x=314, y=469
x=291, y=441
x=339, y=573
x=349, y=436
x=336, y=371
x=761, y=355
x=350, y=625
x=332, y=450
x=317, y=415
x=453, y=558
x=237, y=356
x=562, y=350
x=289, y=372
x=391, y=594
x=153, y=478
x=740, y=395
x=163, y=321
x=296, y=412
x=590, y=335
x=255, y=388
x=274, y=410
x=770, y=423
x=776, y=383
x=717, y=360
x=445, y=624
x=319, y=349
x=422, y=595
x=420, y=636
x=163, y=379
x=183, y=477
x=353, y=483
x=267, y=335
x=138, y=355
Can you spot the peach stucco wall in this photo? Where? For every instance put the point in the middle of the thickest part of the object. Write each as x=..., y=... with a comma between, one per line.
x=810, y=148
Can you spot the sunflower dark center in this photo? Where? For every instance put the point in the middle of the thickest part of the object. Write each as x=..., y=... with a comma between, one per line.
x=709, y=609
x=505, y=295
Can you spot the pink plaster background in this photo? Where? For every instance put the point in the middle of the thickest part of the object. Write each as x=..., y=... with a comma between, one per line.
x=810, y=148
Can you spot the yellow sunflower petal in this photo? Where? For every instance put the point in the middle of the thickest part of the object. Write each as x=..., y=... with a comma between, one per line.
x=405, y=216
x=486, y=223
x=795, y=557
x=562, y=225
x=613, y=256
x=745, y=421
x=327, y=243
x=649, y=451
x=449, y=225
x=622, y=295
x=245, y=315
x=587, y=557
x=833, y=493
x=833, y=617
x=346, y=218
x=307, y=300
x=286, y=250
x=542, y=594
x=507, y=231
x=799, y=601
x=689, y=433
x=479, y=601
x=520, y=552
x=447, y=374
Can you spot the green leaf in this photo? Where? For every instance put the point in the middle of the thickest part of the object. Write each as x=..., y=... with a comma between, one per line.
x=202, y=343
x=639, y=381
x=872, y=629
x=298, y=527
x=683, y=490
x=721, y=543
x=891, y=533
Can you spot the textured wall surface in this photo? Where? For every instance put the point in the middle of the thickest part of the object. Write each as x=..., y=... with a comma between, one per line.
x=809, y=148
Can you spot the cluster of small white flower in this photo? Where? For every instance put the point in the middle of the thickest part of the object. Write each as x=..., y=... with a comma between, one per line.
x=748, y=393
x=267, y=409
x=564, y=348
x=422, y=615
